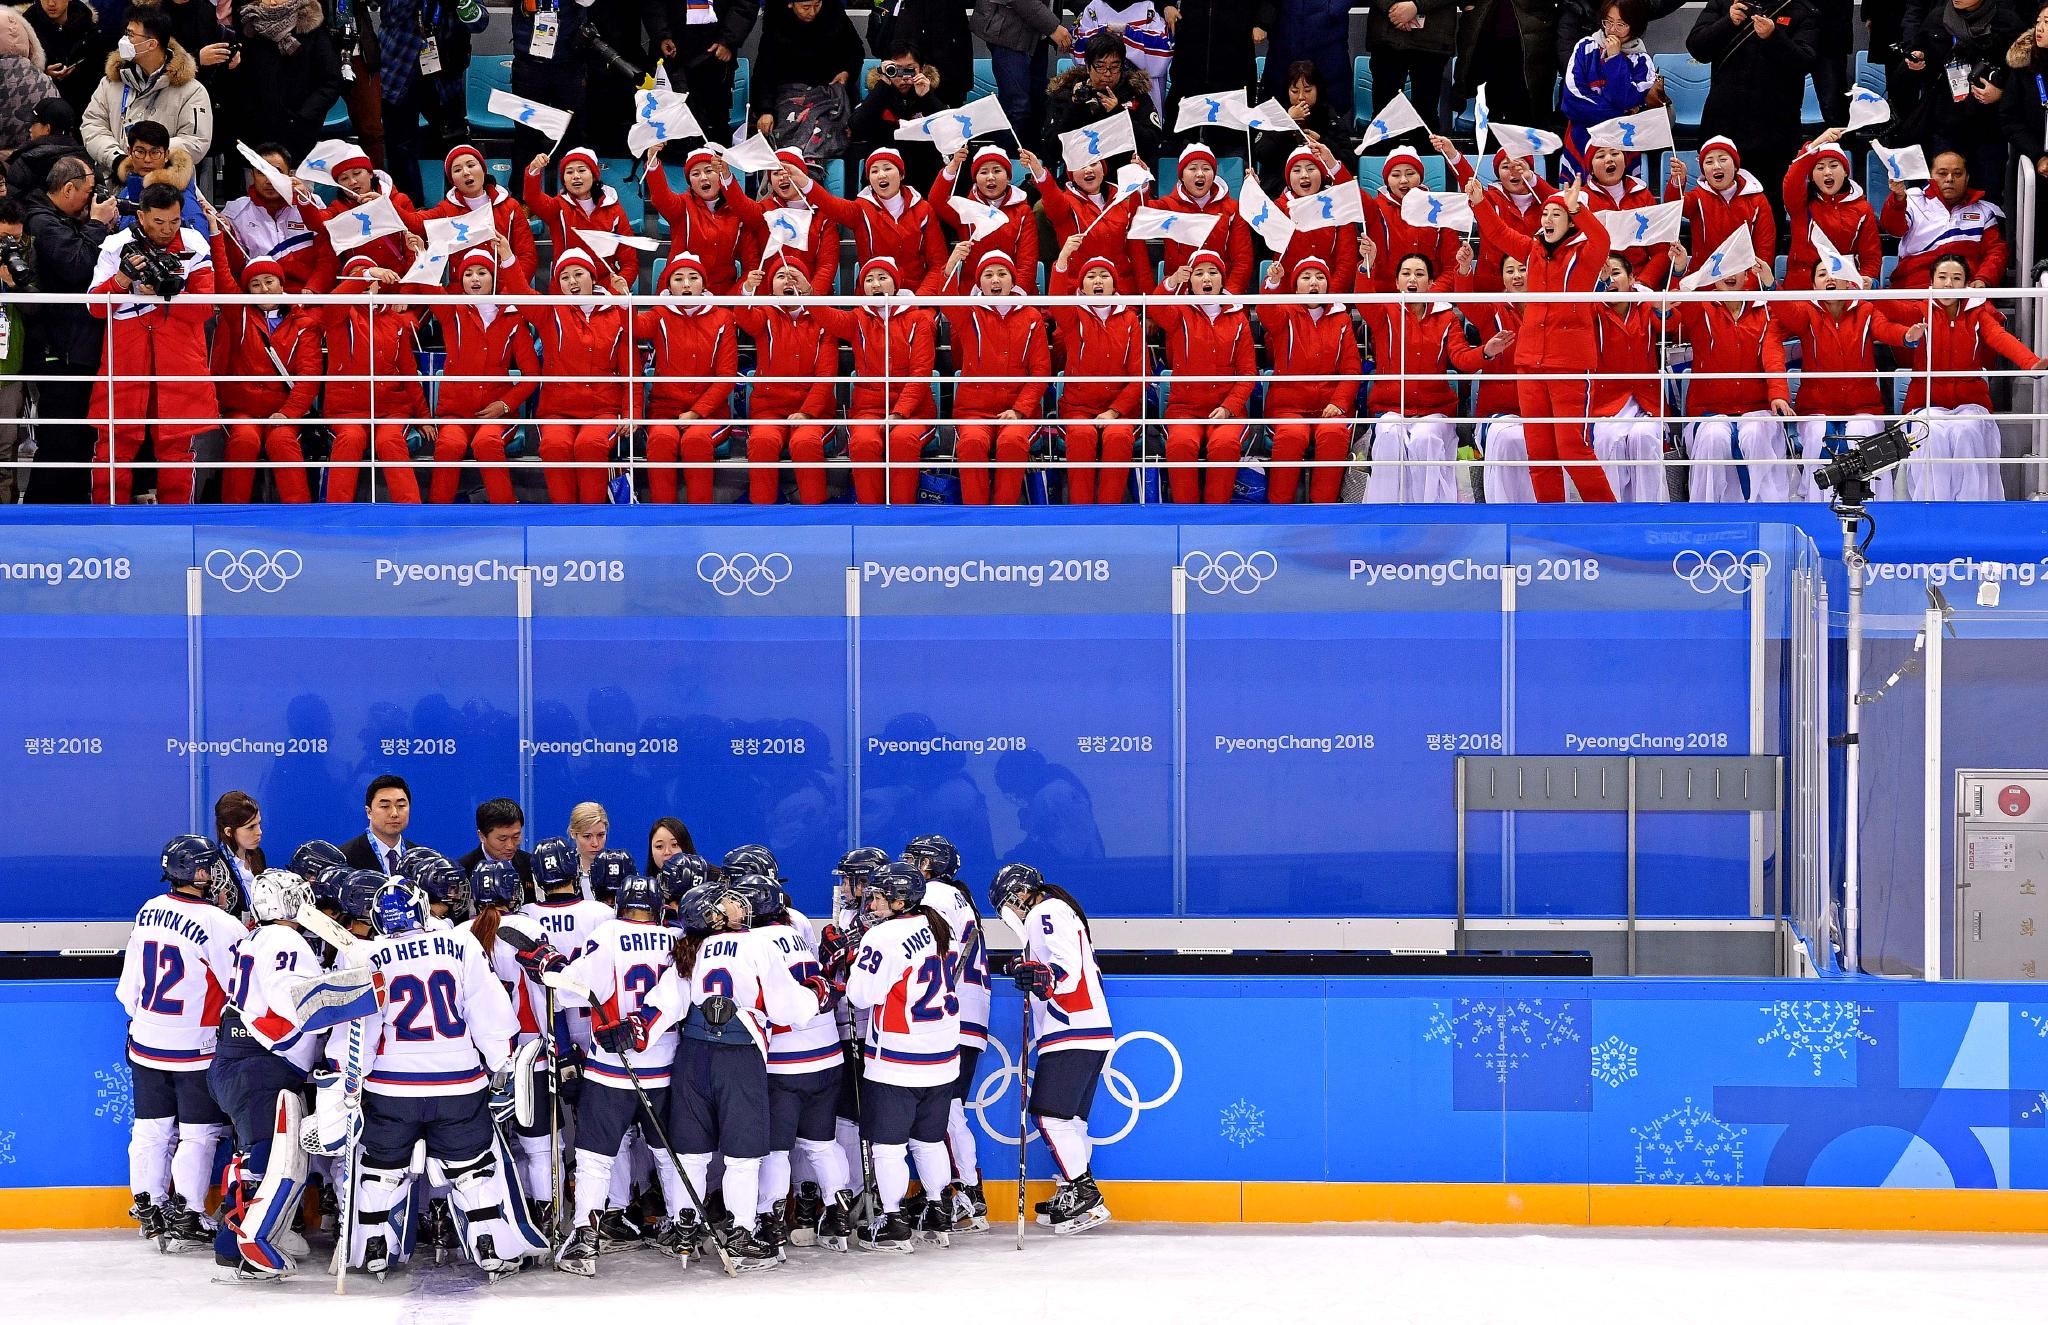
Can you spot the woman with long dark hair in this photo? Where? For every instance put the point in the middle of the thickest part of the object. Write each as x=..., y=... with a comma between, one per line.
x=670, y=836
x=238, y=827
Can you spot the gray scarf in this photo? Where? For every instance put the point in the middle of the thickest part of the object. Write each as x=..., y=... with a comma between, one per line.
x=275, y=24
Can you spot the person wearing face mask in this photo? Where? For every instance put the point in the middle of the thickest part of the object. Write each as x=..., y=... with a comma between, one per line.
x=1314, y=387
x=1609, y=187
x=586, y=355
x=1001, y=365
x=818, y=255
x=1087, y=207
x=712, y=218
x=586, y=202
x=990, y=187
x=1839, y=399
x=888, y=220
x=148, y=77
x=278, y=345
x=1962, y=339
x=1726, y=199
x=1947, y=218
x=893, y=347
x=1503, y=438
x=791, y=395
x=472, y=192
x=696, y=361
x=1210, y=352
x=1416, y=345
x=1820, y=194
x=487, y=343
x=1737, y=394
x=1102, y=370
x=1628, y=393
x=373, y=372
x=1200, y=191
x=1389, y=232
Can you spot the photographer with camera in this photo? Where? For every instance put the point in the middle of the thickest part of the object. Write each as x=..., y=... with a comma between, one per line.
x=900, y=88
x=65, y=228
x=1962, y=46
x=160, y=274
x=1761, y=51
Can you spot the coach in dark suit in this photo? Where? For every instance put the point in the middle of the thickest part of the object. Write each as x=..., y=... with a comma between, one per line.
x=388, y=803
x=499, y=825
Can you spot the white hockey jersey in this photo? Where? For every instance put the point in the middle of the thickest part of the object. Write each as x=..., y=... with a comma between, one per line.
x=529, y=1000
x=620, y=966
x=966, y=959
x=1077, y=1014
x=900, y=976
x=446, y=1024
x=747, y=968
x=269, y=962
x=569, y=925
x=174, y=981
x=793, y=1050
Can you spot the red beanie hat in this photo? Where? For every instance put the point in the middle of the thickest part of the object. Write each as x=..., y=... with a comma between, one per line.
x=792, y=158
x=888, y=154
x=988, y=152
x=1194, y=152
x=356, y=266
x=995, y=258
x=477, y=257
x=1207, y=257
x=701, y=152
x=1720, y=144
x=1107, y=264
x=1304, y=153
x=352, y=159
x=586, y=156
x=685, y=262
x=260, y=267
x=459, y=151
x=1398, y=155
x=879, y=262
x=576, y=257
x=1304, y=264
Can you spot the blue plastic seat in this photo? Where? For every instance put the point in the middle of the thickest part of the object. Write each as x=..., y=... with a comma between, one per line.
x=488, y=74
x=1869, y=74
x=984, y=79
x=742, y=85
x=1809, y=109
x=1686, y=82
x=1361, y=88
x=867, y=67
x=1692, y=169
x=835, y=177
x=338, y=119
x=618, y=172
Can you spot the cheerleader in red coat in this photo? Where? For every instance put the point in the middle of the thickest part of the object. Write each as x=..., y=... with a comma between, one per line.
x=1611, y=188
x=1820, y=192
x=1311, y=168
x=892, y=394
x=1503, y=440
x=487, y=342
x=1726, y=198
x=1628, y=391
x=1102, y=371
x=373, y=372
x=1963, y=339
x=279, y=345
x=888, y=220
x=1314, y=386
x=791, y=400
x=359, y=182
x=586, y=359
x=1088, y=206
x=1392, y=236
x=818, y=255
x=991, y=187
x=1737, y=394
x=696, y=362
x=585, y=203
x=1416, y=345
x=713, y=217
x=1002, y=366
x=1510, y=197
x=1209, y=349
x=471, y=190
x=1839, y=398
x=1200, y=192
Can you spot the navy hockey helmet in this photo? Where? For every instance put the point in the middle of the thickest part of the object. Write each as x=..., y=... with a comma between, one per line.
x=554, y=864
x=901, y=882
x=189, y=858
x=315, y=856
x=762, y=895
x=684, y=871
x=397, y=908
x=439, y=878
x=1011, y=886
x=609, y=869
x=702, y=909
x=636, y=892
x=328, y=885
x=753, y=858
x=358, y=895
x=496, y=883
x=934, y=854
x=860, y=862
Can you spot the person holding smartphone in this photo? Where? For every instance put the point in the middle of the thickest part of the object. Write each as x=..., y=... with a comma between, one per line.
x=1960, y=48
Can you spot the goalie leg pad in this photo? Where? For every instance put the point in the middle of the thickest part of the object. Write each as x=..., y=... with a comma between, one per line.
x=283, y=1178
x=489, y=1201
x=529, y=1084
x=383, y=1210
x=337, y=1120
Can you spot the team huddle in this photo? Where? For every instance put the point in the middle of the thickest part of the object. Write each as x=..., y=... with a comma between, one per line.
x=610, y=1062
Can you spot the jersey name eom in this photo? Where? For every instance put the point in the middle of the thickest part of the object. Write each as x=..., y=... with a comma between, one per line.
x=900, y=975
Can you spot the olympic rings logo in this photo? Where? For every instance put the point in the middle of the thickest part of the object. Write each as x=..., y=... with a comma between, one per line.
x=1711, y=572
x=254, y=569
x=743, y=572
x=1214, y=572
x=1121, y=1088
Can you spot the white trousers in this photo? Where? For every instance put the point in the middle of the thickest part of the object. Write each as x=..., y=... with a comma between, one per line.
x=1964, y=433
x=1501, y=439
x=1430, y=438
x=1761, y=438
x=1632, y=435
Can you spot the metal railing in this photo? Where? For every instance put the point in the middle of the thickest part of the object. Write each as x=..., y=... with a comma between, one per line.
x=1164, y=389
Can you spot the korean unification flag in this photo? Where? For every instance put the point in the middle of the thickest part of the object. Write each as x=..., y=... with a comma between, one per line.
x=980, y=219
x=606, y=243
x=1736, y=254
x=1482, y=120
x=788, y=228
x=1837, y=264
x=1111, y=136
x=1131, y=178
x=359, y=225
x=1190, y=228
x=1340, y=204
x=314, y=169
x=1519, y=140
x=1213, y=110
x=1272, y=117
x=429, y=268
x=1266, y=220
x=950, y=130
x=1867, y=109
x=1641, y=227
x=660, y=116
x=278, y=179
x=541, y=119
x=1903, y=163
x=453, y=234
x=1649, y=131
x=753, y=156
x=1445, y=211
x=1394, y=119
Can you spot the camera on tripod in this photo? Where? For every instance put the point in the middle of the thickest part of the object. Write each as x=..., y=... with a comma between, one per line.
x=159, y=269
x=1848, y=475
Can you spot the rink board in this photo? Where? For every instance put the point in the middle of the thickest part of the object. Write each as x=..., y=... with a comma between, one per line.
x=1829, y=1104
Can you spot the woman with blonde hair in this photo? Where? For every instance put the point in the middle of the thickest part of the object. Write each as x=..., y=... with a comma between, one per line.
x=588, y=827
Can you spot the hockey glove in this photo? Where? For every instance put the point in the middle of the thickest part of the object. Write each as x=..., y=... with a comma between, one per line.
x=835, y=949
x=537, y=958
x=624, y=1036
x=1033, y=977
x=503, y=1103
x=824, y=991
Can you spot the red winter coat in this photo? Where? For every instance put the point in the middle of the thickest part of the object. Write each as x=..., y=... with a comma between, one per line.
x=696, y=358
x=1846, y=219
x=791, y=353
x=1630, y=345
x=386, y=250
x=1747, y=345
x=893, y=351
x=1981, y=245
x=1510, y=213
x=728, y=237
x=156, y=348
x=1650, y=262
x=1315, y=359
x=819, y=257
x=1711, y=218
x=564, y=215
x=1018, y=236
x=393, y=394
x=1008, y=341
x=1111, y=346
x=1844, y=344
x=1070, y=212
x=490, y=353
x=1963, y=344
x=1555, y=336
x=913, y=240
x=586, y=361
x=244, y=343
x=1395, y=239
x=507, y=216
x=1336, y=245
x=1499, y=393
x=1425, y=348
x=1200, y=345
x=1230, y=237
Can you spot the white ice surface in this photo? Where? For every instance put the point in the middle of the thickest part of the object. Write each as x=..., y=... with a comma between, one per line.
x=1127, y=1274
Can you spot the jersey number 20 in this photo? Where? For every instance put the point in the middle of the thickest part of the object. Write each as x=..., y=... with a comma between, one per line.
x=436, y=991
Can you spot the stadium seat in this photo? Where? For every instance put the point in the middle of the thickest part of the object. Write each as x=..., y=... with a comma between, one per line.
x=618, y=172
x=1876, y=183
x=867, y=67
x=338, y=120
x=1869, y=74
x=742, y=85
x=1361, y=88
x=984, y=79
x=488, y=74
x=835, y=177
x=1692, y=168
x=1809, y=109
x=1231, y=168
x=1686, y=81
x=433, y=184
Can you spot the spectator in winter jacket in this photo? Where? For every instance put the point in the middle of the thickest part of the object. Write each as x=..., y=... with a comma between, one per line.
x=2025, y=102
x=818, y=256
x=1610, y=188
x=699, y=43
x=586, y=202
x=1416, y=345
x=486, y=342
x=72, y=47
x=937, y=31
x=898, y=89
x=1200, y=191
x=67, y=230
x=1020, y=35
x=52, y=135
x=1820, y=193
x=278, y=345
x=1209, y=351
x=890, y=417
x=1739, y=393
x=1317, y=32
x=23, y=81
x=1628, y=395
x=713, y=218
x=1760, y=56
x=1310, y=170
x=1726, y=198
x=1578, y=19
x=791, y=396
x=1215, y=45
x=990, y=186
x=261, y=224
x=1609, y=75
x=1314, y=387
x=1308, y=104
x=586, y=355
x=149, y=78
x=888, y=219
x=472, y=191
x=372, y=374
x=1086, y=208
x=152, y=160
x=1963, y=340
x=1002, y=366
x=1947, y=218
x=696, y=358
x=1107, y=85
x=804, y=44
x=1511, y=48
x=1102, y=367
x=289, y=73
x=1839, y=399
x=1410, y=43
x=1964, y=46
x=1390, y=233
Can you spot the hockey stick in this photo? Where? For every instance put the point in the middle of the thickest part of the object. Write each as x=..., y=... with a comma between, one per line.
x=1023, y=1108
x=554, y=1122
x=689, y=1188
x=322, y=926
x=345, y=1163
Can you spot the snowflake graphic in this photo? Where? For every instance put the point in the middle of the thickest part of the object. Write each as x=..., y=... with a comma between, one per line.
x=1816, y=1028
x=116, y=1094
x=2038, y=1022
x=1504, y=1033
x=1614, y=1061
x=6, y=1148
x=1689, y=1147
x=1243, y=1123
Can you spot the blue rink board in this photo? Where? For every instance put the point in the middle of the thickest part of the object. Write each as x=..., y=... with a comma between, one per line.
x=1285, y=747
x=1751, y=1083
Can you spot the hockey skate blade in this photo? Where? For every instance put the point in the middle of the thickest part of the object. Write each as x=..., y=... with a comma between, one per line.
x=1098, y=1216
x=971, y=1224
